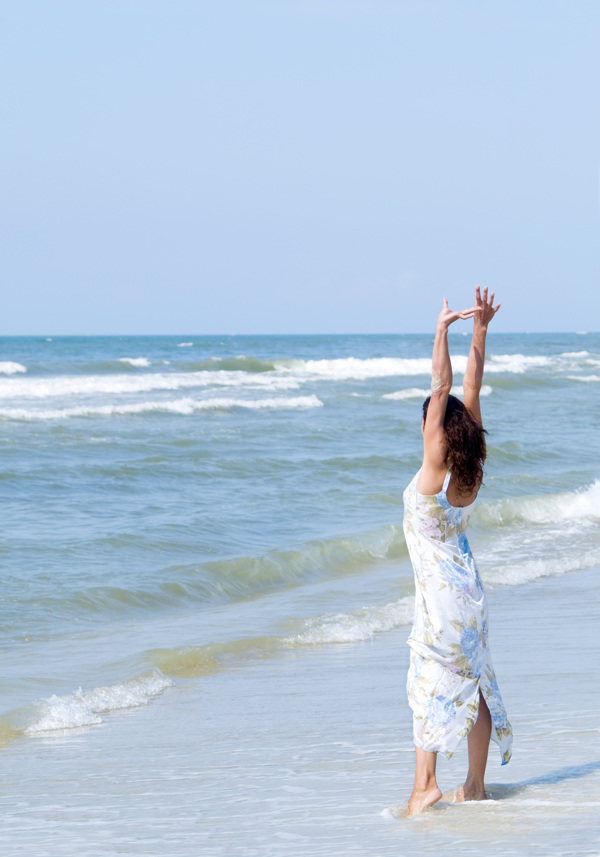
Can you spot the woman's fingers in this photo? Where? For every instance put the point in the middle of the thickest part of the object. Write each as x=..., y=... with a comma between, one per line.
x=484, y=304
x=485, y=300
x=469, y=313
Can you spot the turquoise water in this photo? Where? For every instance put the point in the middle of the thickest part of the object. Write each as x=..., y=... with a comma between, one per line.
x=179, y=510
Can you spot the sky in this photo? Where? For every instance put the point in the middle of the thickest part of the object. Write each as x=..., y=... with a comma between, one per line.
x=301, y=166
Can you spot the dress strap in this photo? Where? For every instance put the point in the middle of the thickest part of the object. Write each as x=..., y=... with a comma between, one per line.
x=446, y=481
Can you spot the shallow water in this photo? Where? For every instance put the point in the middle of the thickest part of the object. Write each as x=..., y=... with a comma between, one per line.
x=305, y=752
x=207, y=595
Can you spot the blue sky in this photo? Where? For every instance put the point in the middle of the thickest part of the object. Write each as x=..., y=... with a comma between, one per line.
x=296, y=166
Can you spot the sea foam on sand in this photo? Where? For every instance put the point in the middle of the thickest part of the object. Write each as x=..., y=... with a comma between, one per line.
x=317, y=743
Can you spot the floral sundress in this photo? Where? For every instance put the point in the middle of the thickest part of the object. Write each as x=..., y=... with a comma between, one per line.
x=450, y=658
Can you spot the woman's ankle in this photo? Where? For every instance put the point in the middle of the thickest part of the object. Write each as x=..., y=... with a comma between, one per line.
x=474, y=788
x=425, y=783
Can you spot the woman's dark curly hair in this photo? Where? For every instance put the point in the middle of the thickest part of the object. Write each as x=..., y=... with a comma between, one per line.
x=465, y=445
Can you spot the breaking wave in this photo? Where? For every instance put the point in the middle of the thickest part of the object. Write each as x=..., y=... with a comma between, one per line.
x=7, y=367
x=184, y=407
x=352, y=368
x=354, y=627
x=135, y=361
x=83, y=708
x=69, y=385
x=544, y=509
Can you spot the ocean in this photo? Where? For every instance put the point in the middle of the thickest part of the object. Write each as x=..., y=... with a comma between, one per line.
x=206, y=595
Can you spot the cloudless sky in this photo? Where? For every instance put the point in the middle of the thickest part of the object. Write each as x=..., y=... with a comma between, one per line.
x=300, y=166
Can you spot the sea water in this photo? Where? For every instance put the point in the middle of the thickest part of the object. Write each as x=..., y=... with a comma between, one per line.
x=206, y=594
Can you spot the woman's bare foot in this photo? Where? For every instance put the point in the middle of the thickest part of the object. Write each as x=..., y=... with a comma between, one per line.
x=422, y=799
x=461, y=794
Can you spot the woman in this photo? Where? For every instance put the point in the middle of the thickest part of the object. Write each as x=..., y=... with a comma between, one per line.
x=451, y=685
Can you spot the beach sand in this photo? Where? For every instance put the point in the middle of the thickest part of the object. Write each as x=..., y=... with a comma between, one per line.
x=306, y=751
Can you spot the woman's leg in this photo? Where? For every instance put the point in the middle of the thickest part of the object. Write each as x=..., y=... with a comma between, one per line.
x=479, y=744
x=425, y=791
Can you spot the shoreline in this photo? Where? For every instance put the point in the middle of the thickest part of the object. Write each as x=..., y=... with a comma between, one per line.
x=306, y=752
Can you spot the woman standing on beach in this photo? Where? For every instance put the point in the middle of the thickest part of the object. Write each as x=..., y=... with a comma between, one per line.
x=451, y=685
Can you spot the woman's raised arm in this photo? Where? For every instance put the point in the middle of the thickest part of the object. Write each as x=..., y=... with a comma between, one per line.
x=474, y=373
x=434, y=443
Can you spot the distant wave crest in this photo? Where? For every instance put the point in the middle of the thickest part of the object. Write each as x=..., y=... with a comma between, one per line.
x=184, y=407
x=62, y=386
x=135, y=361
x=352, y=368
x=7, y=367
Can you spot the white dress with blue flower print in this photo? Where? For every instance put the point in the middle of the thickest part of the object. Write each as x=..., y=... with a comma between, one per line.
x=450, y=658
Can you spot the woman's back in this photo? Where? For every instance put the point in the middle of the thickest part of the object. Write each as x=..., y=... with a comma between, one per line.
x=448, y=587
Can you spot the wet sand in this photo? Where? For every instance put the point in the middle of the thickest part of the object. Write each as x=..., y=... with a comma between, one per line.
x=305, y=753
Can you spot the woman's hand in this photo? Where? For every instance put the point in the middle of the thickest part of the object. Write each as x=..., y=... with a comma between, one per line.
x=487, y=309
x=447, y=315
x=474, y=372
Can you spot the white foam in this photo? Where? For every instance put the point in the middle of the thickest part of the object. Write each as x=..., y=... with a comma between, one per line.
x=83, y=708
x=409, y=393
x=516, y=363
x=128, y=694
x=7, y=367
x=184, y=344
x=179, y=406
x=352, y=368
x=551, y=565
x=288, y=375
x=583, y=377
x=354, y=627
x=548, y=508
x=62, y=712
x=378, y=367
x=520, y=363
x=579, y=359
x=420, y=393
x=135, y=361
x=541, y=536
x=73, y=385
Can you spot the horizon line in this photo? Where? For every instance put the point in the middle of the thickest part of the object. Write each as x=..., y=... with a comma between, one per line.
x=47, y=335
